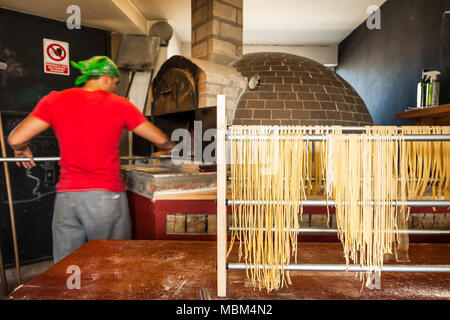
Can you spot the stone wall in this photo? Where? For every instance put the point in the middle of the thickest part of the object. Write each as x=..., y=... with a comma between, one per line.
x=217, y=30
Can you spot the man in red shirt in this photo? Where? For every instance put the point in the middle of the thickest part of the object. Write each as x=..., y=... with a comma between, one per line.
x=91, y=202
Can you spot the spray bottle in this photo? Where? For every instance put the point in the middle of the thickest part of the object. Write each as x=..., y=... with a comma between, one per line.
x=432, y=89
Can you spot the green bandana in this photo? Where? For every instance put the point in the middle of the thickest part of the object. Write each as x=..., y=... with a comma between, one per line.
x=95, y=66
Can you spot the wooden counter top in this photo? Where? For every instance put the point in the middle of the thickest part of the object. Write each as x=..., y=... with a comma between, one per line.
x=145, y=269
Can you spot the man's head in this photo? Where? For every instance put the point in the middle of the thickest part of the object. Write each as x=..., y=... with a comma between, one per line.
x=106, y=83
x=99, y=73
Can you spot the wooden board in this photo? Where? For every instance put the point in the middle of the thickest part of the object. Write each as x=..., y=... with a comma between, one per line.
x=221, y=196
x=429, y=116
x=210, y=194
x=144, y=269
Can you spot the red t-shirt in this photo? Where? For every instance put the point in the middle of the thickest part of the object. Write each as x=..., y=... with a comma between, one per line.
x=88, y=126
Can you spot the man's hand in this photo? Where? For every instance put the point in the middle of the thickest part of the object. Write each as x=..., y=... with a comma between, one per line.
x=152, y=133
x=162, y=154
x=18, y=139
x=25, y=153
x=166, y=146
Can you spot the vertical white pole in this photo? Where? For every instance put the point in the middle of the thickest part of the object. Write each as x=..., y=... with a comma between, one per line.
x=221, y=197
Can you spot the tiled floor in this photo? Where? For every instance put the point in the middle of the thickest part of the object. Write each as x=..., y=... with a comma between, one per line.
x=28, y=272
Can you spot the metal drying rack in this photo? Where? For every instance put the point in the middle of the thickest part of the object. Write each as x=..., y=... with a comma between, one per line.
x=223, y=136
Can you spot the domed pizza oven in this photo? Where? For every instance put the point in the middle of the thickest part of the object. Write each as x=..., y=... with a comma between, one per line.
x=286, y=89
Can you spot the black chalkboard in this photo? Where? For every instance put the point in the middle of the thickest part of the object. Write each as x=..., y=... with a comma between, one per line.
x=22, y=85
x=33, y=198
x=24, y=82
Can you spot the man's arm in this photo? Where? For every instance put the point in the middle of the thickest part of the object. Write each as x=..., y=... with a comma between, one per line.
x=152, y=133
x=18, y=138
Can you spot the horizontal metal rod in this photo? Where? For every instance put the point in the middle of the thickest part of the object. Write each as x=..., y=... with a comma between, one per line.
x=229, y=178
x=37, y=159
x=334, y=231
x=350, y=268
x=324, y=203
x=300, y=230
x=346, y=128
x=41, y=159
x=319, y=137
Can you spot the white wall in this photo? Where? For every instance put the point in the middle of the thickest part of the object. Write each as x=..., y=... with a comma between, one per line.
x=327, y=55
x=186, y=49
x=174, y=47
x=138, y=89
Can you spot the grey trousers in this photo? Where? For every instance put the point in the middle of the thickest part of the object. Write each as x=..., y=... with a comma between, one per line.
x=79, y=217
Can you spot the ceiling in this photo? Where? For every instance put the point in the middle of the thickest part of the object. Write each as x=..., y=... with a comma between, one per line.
x=102, y=14
x=303, y=22
x=294, y=22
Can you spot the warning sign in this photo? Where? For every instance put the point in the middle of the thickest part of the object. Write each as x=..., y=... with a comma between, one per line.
x=56, y=57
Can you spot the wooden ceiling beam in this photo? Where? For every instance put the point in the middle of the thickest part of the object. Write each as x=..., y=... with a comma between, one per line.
x=133, y=14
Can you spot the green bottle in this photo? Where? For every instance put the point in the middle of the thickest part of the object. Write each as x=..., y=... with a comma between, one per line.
x=433, y=89
x=421, y=90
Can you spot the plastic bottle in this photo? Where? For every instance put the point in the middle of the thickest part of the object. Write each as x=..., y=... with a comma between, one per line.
x=432, y=89
x=421, y=90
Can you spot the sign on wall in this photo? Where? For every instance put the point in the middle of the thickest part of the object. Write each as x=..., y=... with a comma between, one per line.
x=56, y=57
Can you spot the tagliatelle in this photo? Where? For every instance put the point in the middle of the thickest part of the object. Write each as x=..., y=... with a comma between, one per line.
x=364, y=172
x=274, y=169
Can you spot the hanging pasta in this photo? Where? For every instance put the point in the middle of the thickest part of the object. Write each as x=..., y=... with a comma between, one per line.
x=275, y=169
x=362, y=177
x=269, y=168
